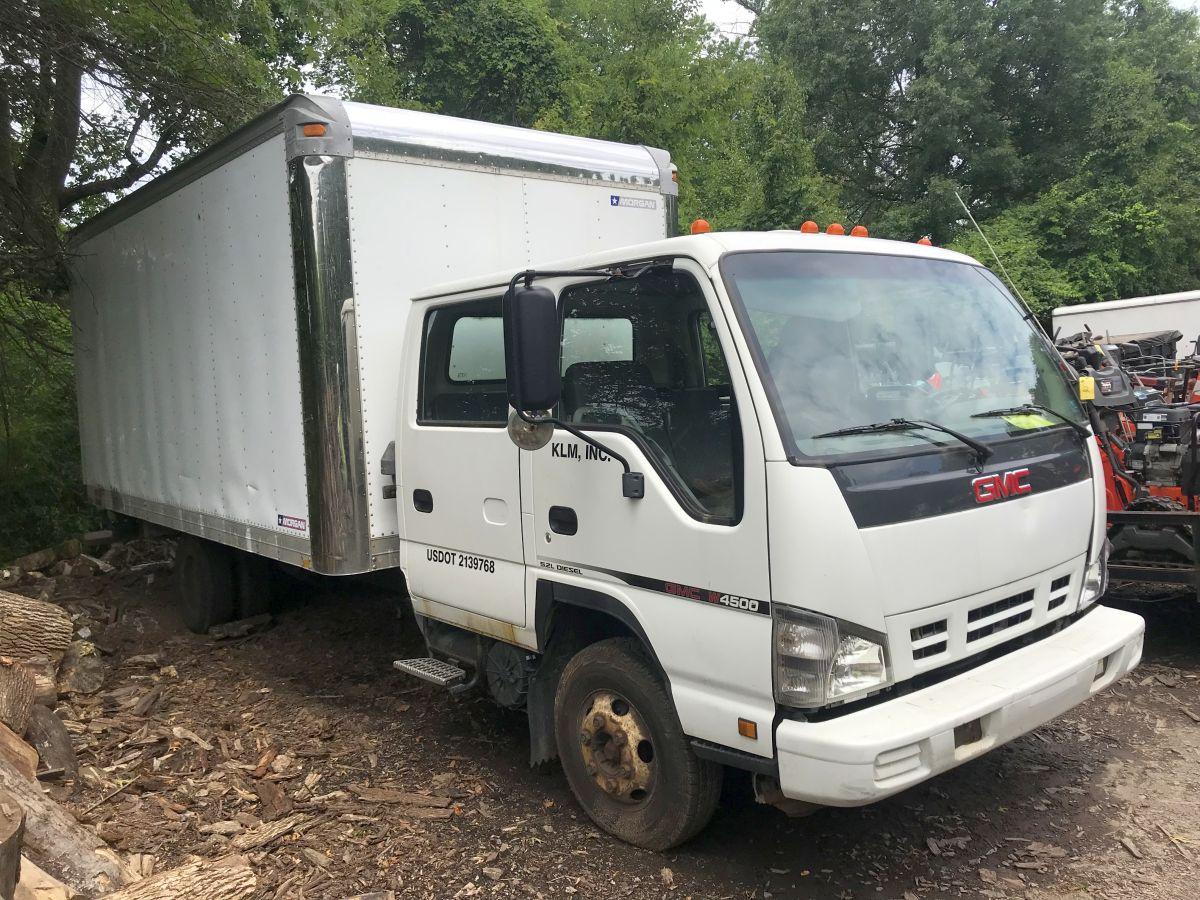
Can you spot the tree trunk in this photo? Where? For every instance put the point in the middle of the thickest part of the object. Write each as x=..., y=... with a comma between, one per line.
x=17, y=688
x=12, y=829
x=229, y=878
x=31, y=627
x=52, y=741
x=58, y=843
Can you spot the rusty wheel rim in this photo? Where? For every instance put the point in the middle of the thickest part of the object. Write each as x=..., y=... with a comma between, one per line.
x=617, y=750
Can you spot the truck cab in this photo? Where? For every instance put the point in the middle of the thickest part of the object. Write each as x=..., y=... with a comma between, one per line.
x=823, y=508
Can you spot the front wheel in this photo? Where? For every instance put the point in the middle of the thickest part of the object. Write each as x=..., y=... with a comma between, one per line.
x=623, y=751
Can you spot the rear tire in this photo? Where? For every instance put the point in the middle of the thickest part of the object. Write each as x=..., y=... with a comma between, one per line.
x=624, y=752
x=254, y=578
x=204, y=574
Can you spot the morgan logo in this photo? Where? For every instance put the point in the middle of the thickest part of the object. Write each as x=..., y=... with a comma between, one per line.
x=293, y=522
x=1002, y=485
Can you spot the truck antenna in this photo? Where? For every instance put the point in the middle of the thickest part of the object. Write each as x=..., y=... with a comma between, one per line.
x=996, y=256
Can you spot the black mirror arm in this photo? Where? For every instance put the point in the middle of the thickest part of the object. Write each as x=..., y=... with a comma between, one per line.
x=633, y=484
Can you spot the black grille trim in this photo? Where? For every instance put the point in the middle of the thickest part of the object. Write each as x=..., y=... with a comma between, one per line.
x=931, y=650
x=929, y=630
x=990, y=609
x=1056, y=602
x=986, y=630
x=1059, y=583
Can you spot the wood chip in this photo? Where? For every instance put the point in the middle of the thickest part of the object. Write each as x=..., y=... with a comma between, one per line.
x=1133, y=850
x=387, y=795
x=268, y=833
x=185, y=734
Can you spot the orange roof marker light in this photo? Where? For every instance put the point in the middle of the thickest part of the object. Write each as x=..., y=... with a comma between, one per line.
x=313, y=129
x=925, y=242
x=700, y=226
x=858, y=231
x=810, y=227
x=835, y=228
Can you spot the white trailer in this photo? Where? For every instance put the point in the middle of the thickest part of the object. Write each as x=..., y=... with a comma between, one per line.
x=238, y=320
x=821, y=508
x=1135, y=315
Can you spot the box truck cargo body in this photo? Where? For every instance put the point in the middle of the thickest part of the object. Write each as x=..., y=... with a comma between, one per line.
x=238, y=321
x=1135, y=315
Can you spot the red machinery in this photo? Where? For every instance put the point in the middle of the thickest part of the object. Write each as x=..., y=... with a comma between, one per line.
x=1145, y=411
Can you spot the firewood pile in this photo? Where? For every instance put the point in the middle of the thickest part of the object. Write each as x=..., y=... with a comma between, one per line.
x=48, y=662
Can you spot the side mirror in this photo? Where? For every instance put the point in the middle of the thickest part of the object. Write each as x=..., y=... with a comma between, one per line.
x=531, y=349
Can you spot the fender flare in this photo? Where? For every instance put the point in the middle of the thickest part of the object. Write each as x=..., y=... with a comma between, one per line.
x=555, y=655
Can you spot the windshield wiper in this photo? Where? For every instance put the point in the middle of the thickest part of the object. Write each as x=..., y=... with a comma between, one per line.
x=1033, y=408
x=982, y=450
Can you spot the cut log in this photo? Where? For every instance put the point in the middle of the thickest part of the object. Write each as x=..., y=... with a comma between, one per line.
x=58, y=843
x=52, y=742
x=82, y=670
x=12, y=830
x=41, y=559
x=229, y=878
x=38, y=885
x=17, y=688
x=31, y=627
x=45, y=678
x=23, y=757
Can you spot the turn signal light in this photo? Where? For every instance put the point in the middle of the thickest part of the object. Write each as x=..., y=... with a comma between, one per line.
x=835, y=228
x=810, y=227
x=925, y=242
x=748, y=729
x=701, y=226
x=858, y=231
x=313, y=129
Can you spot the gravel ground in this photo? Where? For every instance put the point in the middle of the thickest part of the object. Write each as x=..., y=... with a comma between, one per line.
x=299, y=745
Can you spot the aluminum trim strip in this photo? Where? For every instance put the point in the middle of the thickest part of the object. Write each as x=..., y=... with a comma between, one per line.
x=478, y=160
x=339, y=516
x=279, y=545
x=289, y=548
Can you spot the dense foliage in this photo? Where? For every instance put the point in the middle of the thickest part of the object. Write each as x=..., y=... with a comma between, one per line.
x=1068, y=126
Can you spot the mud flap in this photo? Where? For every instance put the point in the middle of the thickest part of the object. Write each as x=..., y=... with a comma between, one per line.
x=543, y=686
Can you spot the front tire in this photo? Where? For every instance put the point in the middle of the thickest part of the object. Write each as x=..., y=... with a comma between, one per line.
x=204, y=573
x=624, y=752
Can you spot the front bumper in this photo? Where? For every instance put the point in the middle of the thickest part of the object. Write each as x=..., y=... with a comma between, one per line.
x=865, y=756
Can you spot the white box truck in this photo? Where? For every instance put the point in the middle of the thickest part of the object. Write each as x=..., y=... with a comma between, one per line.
x=825, y=509
x=1135, y=315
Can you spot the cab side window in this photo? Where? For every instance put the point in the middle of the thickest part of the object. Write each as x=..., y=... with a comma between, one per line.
x=462, y=365
x=640, y=356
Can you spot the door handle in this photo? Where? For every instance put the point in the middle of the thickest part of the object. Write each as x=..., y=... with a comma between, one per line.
x=563, y=520
x=423, y=500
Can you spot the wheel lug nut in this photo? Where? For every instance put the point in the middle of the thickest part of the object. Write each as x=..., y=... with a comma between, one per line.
x=598, y=720
x=585, y=739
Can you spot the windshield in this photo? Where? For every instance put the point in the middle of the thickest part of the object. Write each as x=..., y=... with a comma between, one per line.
x=852, y=339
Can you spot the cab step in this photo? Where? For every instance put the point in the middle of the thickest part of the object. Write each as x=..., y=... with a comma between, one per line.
x=435, y=671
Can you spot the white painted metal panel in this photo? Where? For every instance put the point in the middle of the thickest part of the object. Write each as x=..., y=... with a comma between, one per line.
x=185, y=326
x=1135, y=315
x=416, y=224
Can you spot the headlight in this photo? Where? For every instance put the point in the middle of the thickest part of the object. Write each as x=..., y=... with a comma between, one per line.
x=818, y=661
x=1095, y=579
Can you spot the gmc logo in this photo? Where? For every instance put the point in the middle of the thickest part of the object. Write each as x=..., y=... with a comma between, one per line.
x=997, y=487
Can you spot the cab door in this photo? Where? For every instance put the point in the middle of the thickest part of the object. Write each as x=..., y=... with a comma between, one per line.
x=459, y=490
x=645, y=371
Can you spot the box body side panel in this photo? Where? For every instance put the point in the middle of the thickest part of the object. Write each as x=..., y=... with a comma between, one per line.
x=187, y=363
x=415, y=225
